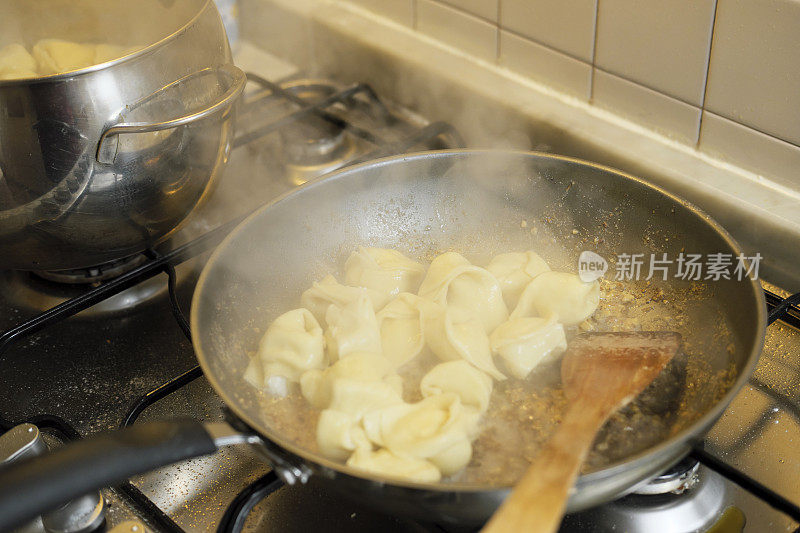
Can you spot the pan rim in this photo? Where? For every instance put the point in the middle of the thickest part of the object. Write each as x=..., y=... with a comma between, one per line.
x=701, y=425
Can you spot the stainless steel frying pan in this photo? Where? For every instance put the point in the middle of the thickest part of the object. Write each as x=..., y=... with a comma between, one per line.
x=477, y=202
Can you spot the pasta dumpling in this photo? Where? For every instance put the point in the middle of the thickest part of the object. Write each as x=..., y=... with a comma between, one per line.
x=561, y=295
x=385, y=463
x=16, y=62
x=347, y=342
x=352, y=327
x=339, y=435
x=514, y=271
x=293, y=344
x=317, y=385
x=401, y=328
x=471, y=291
x=54, y=56
x=385, y=273
x=451, y=339
x=438, y=428
x=523, y=343
x=327, y=292
x=357, y=398
x=473, y=387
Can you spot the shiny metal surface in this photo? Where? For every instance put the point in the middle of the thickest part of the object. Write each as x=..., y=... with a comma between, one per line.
x=224, y=435
x=159, y=122
x=81, y=515
x=130, y=526
x=675, y=480
x=694, y=510
x=21, y=442
x=424, y=203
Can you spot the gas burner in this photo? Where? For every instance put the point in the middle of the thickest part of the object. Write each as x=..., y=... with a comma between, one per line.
x=313, y=146
x=679, y=478
x=95, y=274
x=39, y=291
x=688, y=497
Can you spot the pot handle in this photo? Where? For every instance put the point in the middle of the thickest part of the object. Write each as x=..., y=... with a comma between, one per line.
x=33, y=486
x=225, y=101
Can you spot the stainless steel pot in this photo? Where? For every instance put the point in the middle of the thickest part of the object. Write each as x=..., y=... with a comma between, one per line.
x=103, y=162
x=473, y=201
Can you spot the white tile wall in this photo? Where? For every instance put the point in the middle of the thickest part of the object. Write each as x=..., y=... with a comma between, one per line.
x=663, y=45
x=663, y=64
x=663, y=113
x=545, y=65
x=566, y=25
x=401, y=11
x=750, y=149
x=754, y=75
x=457, y=28
x=483, y=8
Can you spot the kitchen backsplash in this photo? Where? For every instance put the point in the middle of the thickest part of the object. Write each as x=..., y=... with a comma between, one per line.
x=721, y=75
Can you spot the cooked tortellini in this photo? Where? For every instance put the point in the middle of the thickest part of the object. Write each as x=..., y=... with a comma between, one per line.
x=385, y=273
x=327, y=292
x=53, y=56
x=385, y=463
x=523, y=343
x=292, y=345
x=469, y=290
x=352, y=327
x=514, y=270
x=16, y=62
x=401, y=328
x=339, y=434
x=353, y=346
x=561, y=295
x=473, y=387
x=451, y=337
x=317, y=386
x=438, y=428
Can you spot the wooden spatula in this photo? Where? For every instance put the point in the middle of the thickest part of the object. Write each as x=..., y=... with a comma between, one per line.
x=601, y=373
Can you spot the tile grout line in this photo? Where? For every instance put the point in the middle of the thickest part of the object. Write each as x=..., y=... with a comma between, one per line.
x=499, y=50
x=708, y=68
x=463, y=11
x=642, y=85
x=545, y=45
x=594, y=50
x=771, y=136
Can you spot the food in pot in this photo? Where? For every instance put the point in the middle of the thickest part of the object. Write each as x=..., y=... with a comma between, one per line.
x=16, y=62
x=295, y=345
x=384, y=273
x=449, y=343
x=52, y=56
x=514, y=271
x=561, y=295
x=523, y=343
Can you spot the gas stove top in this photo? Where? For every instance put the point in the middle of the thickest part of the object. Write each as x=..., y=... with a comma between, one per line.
x=108, y=347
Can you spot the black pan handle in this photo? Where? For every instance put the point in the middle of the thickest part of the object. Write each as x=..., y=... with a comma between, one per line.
x=33, y=486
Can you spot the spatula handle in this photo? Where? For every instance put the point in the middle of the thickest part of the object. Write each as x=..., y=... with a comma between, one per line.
x=537, y=503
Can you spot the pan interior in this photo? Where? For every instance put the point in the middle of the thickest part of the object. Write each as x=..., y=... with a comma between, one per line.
x=480, y=204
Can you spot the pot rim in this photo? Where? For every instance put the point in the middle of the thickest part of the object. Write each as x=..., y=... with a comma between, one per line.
x=108, y=64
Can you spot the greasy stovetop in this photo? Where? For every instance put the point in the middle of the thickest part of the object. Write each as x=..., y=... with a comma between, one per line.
x=89, y=370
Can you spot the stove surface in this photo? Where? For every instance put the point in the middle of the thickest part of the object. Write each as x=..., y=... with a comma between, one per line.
x=90, y=369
